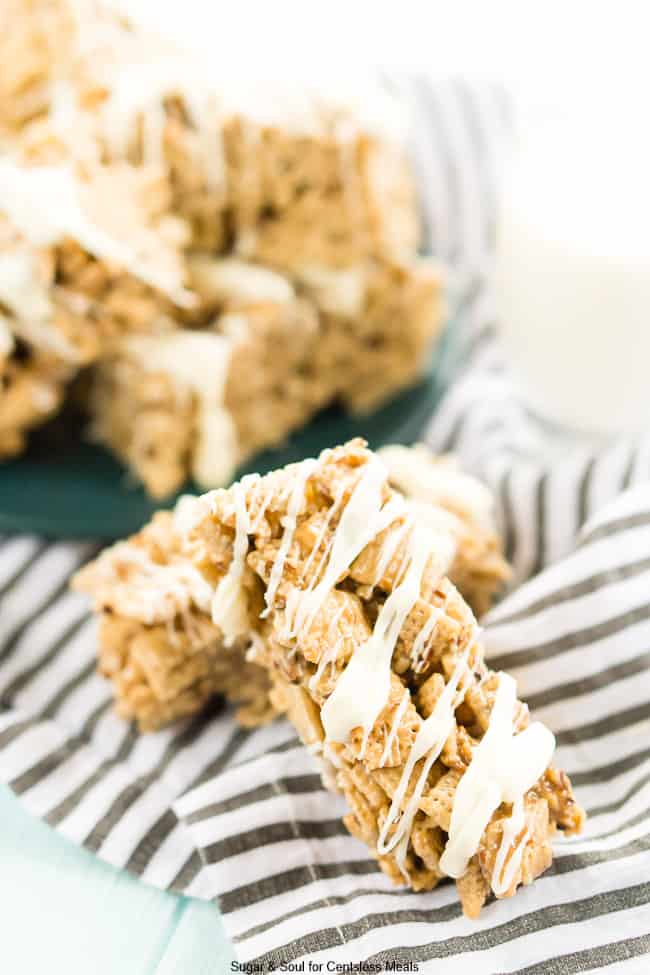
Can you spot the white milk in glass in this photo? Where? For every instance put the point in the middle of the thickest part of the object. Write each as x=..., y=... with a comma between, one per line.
x=572, y=273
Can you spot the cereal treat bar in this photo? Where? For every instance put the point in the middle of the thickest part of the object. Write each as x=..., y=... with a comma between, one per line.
x=198, y=402
x=225, y=258
x=377, y=659
x=157, y=642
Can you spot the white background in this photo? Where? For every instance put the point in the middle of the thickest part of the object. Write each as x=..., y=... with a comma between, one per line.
x=568, y=47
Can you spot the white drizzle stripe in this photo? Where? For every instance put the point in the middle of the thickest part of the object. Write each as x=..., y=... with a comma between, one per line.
x=363, y=688
x=390, y=547
x=334, y=509
x=296, y=501
x=138, y=92
x=331, y=655
x=504, y=873
x=403, y=566
x=229, y=611
x=46, y=204
x=429, y=741
x=392, y=734
x=362, y=520
x=253, y=500
x=504, y=767
x=262, y=511
x=200, y=362
x=25, y=295
x=422, y=640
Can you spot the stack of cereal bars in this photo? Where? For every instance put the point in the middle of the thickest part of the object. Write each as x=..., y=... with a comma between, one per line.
x=201, y=265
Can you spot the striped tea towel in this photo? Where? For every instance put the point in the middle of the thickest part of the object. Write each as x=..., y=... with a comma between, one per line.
x=241, y=816
x=292, y=884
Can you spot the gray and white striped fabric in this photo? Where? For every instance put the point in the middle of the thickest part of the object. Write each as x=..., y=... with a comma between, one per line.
x=241, y=817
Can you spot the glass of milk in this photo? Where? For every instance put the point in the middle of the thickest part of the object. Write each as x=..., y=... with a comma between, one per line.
x=572, y=271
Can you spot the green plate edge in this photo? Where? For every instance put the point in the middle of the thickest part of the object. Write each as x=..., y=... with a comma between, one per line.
x=79, y=490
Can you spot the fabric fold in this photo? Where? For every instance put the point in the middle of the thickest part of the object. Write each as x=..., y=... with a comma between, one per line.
x=290, y=882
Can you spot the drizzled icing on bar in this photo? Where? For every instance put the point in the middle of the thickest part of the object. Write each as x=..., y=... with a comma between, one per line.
x=394, y=728
x=18, y=287
x=197, y=361
x=296, y=501
x=363, y=688
x=363, y=518
x=24, y=294
x=46, y=204
x=139, y=91
x=504, y=767
x=331, y=655
x=513, y=843
x=421, y=642
x=389, y=549
x=428, y=744
x=6, y=338
x=229, y=608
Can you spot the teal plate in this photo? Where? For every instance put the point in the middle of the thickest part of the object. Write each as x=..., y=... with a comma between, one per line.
x=63, y=487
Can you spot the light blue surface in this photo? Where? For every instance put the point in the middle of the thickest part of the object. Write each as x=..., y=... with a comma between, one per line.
x=65, y=912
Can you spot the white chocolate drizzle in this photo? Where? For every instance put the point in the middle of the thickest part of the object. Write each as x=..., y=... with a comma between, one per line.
x=330, y=656
x=296, y=501
x=422, y=640
x=363, y=688
x=197, y=361
x=394, y=728
x=389, y=548
x=428, y=744
x=513, y=843
x=6, y=338
x=262, y=510
x=46, y=205
x=25, y=295
x=20, y=291
x=137, y=93
x=504, y=767
x=363, y=518
x=230, y=278
x=333, y=510
x=336, y=291
x=229, y=606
